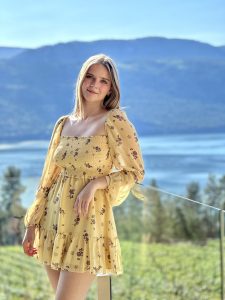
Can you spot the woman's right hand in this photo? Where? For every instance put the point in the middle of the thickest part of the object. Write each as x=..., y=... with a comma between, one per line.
x=28, y=241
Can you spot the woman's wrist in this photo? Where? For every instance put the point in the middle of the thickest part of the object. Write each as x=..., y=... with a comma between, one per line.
x=100, y=182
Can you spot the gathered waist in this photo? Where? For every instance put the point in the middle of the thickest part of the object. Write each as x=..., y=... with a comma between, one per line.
x=71, y=173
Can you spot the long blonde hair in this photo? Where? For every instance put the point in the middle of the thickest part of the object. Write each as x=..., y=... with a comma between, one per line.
x=112, y=100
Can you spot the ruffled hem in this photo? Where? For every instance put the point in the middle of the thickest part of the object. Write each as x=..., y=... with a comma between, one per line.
x=98, y=255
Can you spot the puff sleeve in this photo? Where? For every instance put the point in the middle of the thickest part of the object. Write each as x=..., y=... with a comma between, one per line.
x=126, y=157
x=49, y=174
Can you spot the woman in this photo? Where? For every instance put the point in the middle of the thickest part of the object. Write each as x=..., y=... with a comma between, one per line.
x=71, y=221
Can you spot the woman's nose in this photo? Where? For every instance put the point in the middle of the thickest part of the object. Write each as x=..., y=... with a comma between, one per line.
x=94, y=84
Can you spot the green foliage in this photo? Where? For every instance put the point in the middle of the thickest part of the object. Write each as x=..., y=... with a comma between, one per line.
x=23, y=278
x=11, y=210
x=129, y=219
x=181, y=271
x=190, y=215
x=170, y=218
x=158, y=220
x=214, y=195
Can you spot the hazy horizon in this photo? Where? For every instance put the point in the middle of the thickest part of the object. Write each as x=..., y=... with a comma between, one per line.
x=32, y=25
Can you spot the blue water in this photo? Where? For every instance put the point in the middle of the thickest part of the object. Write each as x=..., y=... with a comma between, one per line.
x=174, y=161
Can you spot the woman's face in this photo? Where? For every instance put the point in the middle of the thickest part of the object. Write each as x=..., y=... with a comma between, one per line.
x=96, y=84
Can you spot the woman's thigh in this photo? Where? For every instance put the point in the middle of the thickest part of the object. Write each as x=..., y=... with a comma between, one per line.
x=73, y=285
x=53, y=276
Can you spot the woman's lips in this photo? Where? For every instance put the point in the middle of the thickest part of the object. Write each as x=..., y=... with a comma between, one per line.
x=91, y=92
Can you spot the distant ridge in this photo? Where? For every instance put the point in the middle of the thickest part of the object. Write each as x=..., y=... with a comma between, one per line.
x=169, y=85
x=9, y=52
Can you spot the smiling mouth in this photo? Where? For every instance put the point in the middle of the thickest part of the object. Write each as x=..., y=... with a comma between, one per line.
x=91, y=92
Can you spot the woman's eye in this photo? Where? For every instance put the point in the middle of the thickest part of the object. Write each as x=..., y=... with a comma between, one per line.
x=104, y=81
x=88, y=76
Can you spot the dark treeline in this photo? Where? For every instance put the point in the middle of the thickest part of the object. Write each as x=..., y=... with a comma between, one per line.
x=165, y=218
x=162, y=218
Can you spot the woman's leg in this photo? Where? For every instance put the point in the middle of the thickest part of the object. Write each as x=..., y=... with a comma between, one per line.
x=73, y=286
x=53, y=276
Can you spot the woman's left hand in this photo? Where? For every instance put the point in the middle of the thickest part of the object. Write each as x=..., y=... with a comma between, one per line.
x=84, y=198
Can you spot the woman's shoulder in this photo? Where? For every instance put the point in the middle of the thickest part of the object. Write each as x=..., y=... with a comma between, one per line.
x=117, y=113
x=59, y=123
x=118, y=119
x=61, y=119
x=118, y=110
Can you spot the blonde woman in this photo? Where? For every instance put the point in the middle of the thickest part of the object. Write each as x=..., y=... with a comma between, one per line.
x=92, y=163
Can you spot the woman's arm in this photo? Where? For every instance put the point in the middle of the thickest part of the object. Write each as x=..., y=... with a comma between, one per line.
x=49, y=174
x=127, y=158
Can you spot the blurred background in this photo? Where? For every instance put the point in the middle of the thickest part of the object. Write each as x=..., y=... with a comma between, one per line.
x=171, y=61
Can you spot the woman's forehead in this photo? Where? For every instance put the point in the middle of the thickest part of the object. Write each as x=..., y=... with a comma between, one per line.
x=99, y=69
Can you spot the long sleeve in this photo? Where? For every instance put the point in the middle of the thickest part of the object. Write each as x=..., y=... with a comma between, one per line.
x=127, y=159
x=49, y=174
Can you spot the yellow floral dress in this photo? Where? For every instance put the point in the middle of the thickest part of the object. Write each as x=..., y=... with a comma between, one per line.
x=65, y=240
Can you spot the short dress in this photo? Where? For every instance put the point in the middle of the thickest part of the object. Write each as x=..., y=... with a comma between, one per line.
x=65, y=240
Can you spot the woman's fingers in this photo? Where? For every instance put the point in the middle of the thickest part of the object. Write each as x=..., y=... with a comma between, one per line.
x=76, y=206
x=28, y=248
x=81, y=207
x=83, y=200
x=86, y=205
x=31, y=252
x=28, y=242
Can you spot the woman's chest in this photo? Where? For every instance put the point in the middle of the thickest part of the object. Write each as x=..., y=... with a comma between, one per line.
x=82, y=151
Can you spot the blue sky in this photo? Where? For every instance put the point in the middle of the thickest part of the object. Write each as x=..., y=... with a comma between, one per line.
x=33, y=24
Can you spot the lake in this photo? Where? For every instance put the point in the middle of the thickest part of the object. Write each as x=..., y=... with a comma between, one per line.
x=173, y=160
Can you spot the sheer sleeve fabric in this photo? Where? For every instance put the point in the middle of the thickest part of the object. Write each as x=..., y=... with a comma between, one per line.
x=49, y=174
x=127, y=159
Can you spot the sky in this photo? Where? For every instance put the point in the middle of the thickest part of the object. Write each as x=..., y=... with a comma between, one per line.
x=32, y=24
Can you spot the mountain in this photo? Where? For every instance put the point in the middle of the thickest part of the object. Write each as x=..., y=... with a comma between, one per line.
x=168, y=85
x=9, y=52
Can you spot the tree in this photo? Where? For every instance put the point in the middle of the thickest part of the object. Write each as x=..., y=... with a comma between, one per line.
x=11, y=210
x=222, y=191
x=212, y=197
x=155, y=218
x=128, y=219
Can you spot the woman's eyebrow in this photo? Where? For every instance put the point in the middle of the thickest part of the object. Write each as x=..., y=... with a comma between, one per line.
x=100, y=77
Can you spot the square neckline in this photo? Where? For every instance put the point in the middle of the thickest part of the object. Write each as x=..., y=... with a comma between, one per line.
x=90, y=136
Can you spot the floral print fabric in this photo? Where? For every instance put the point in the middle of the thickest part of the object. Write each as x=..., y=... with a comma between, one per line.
x=65, y=240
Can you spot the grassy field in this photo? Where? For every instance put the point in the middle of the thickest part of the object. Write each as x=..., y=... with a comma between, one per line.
x=153, y=271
